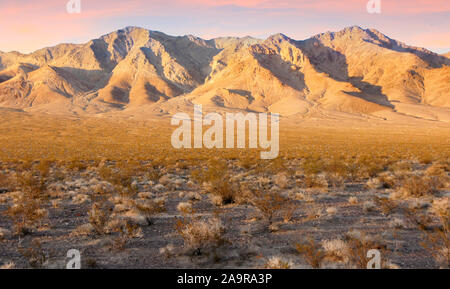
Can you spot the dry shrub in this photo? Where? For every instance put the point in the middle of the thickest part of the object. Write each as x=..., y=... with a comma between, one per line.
x=4, y=199
x=371, y=167
x=401, y=166
x=302, y=196
x=185, y=208
x=216, y=200
x=247, y=161
x=386, y=205
x=273, y=167
x=215, y=169
x=336, y=172
x=102, y=190
x=217, y=181
x=374, y=183
x=35, y=255
x=4, y=233
x=25, y=165
x=5, y=183
x=91, y=263
x=313, y=212
x=435, y=230
x=27, y=212
x=80, y=199
x=192, y=196
x=358, y=245
x=312, y=252
x=335, y=180
x=288, y=211
x=244, y=196
x=315, y=181
x=397, y=223
x=418, y=186
x=336, y=250
x=44, y=168
x=281, y=180
x=224, y=189
x=154, y=173
x=437, y=182
x=369, y=206
x=418, y=219
x=270, y=204
x=76, y=165
x=436, y=170
x=277, y=263
x=201, y=235
x=149, y=208
x=127, y=231
x=121, y=178
x=331, y=210
x=168, y=251
x=437, y=243
x=354, y=172
x=385, y=180
x=425, y=159
x=441, y=207
x=313, y=166
x=8, y=266
x=352, y=250
x=353, y=200
x=99, y=216
x=83, y=230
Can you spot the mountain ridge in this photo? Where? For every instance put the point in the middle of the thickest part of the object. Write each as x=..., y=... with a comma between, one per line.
x=354, y=70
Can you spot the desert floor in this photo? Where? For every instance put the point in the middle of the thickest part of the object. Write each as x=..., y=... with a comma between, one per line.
x=113, y=188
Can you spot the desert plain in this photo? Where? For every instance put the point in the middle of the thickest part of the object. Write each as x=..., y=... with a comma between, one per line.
x=86, y=160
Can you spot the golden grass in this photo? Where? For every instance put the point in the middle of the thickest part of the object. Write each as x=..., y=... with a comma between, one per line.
x=346, y=152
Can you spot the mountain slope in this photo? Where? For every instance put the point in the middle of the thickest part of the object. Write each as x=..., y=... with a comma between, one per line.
x=276, y=75
x=385, y=70
x=129, y=66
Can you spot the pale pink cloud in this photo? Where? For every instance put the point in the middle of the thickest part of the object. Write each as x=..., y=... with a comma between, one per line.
x=17, y=8
x=50, y=10
x=388, y=6
x=29, y=24
x=432, y=39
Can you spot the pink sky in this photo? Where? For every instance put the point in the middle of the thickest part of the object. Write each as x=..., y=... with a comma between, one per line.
x=28, y=25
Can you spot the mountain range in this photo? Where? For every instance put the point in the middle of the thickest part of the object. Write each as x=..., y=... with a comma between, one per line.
x=352, y=71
